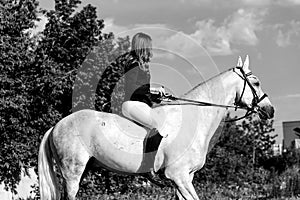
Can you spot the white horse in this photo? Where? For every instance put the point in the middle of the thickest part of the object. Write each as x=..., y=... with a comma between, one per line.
x=118, y=143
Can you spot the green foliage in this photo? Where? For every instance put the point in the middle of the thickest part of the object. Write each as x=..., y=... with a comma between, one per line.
x=17, y=16
x=16, y=55
x=37, y=75
x=237, y=154
x=65, y=42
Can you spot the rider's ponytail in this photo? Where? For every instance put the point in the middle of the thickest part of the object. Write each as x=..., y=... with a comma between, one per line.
x=142, y=48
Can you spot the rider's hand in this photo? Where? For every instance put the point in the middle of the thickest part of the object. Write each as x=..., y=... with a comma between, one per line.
x=162, y=91
x=157, y=94
x=159, y=91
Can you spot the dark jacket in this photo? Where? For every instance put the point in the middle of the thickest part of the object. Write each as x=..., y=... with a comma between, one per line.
x=137, y=83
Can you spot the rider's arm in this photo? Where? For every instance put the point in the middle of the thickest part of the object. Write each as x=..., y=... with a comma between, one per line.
x=131, y=83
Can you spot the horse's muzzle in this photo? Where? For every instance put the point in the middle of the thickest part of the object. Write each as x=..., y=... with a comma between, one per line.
x=266, y=112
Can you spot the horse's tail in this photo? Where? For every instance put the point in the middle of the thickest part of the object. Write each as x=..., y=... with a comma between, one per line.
x=47, y=178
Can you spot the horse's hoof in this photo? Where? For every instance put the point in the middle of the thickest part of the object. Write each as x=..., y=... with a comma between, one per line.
x=155, y=179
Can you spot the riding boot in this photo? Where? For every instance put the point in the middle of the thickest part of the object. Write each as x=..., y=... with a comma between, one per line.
x=152, y=143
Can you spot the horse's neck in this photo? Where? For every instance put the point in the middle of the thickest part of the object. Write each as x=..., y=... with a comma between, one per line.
x=220, y=89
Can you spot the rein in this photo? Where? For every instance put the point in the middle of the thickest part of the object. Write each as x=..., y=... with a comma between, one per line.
x=202, y=103
x=250, y=110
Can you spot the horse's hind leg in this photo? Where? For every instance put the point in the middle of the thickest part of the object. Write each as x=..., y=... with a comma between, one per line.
x=72, y=168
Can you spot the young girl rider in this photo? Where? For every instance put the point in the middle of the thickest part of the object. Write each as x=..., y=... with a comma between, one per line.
x=139, y=97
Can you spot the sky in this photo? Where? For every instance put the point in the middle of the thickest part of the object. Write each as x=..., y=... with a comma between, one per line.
x=197, y=39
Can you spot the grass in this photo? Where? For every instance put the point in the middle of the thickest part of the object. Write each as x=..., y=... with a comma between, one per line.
x=208, y=192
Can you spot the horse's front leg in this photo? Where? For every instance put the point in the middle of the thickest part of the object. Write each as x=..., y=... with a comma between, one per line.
x=178, y=195
x=184, y=187
x=186, y=190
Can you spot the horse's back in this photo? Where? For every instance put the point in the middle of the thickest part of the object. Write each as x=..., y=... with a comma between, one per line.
x=86, y=120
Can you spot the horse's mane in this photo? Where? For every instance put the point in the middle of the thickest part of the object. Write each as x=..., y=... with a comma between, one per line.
x=204, y=82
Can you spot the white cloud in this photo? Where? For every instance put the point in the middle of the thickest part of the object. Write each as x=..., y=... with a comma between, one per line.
x=241, y=3
x=199, y=2
x=111, y=26
x=295, y=1
x=270, y=2
x=215, y=39
x=288, y=34
x=288, y=2
x=243, y=25
x=283, y=40
x=169, y=42
x=155, y=30
x=184, y=45
x=239, y=28
x=287, y=97
x=293, y=96
x=256, y=2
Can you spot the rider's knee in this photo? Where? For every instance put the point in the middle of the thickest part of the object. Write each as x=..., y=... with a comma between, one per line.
x=125, y=108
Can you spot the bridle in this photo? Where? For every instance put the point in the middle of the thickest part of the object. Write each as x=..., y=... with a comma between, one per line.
x=237, y=105
x=255, y=101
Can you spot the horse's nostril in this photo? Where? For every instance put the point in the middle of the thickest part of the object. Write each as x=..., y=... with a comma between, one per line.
x=272, y=111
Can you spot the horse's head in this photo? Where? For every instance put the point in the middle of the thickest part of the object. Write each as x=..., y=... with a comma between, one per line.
x=249, y=91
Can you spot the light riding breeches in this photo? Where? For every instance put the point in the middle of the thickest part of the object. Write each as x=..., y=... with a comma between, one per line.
x=140, y=112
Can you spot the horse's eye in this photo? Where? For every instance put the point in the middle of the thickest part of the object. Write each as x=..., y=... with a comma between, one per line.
x=256, y=83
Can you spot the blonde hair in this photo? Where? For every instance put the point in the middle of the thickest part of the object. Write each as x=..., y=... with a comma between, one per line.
x=141, y=46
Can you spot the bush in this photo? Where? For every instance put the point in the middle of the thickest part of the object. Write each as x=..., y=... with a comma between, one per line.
x=288, y=183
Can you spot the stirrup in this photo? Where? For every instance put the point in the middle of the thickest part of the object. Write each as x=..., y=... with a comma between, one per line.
x=155, y=178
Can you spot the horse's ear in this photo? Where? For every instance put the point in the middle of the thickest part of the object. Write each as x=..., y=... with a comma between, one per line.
x=240, y=62
x=246, y=64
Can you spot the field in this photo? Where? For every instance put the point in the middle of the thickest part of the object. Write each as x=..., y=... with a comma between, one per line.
x=209, y=192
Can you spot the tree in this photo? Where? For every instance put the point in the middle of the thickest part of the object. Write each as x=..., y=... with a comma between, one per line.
x=38, y=74
x=233, y=160
x=262, y=141
x=66, y=41
x=16, y=55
